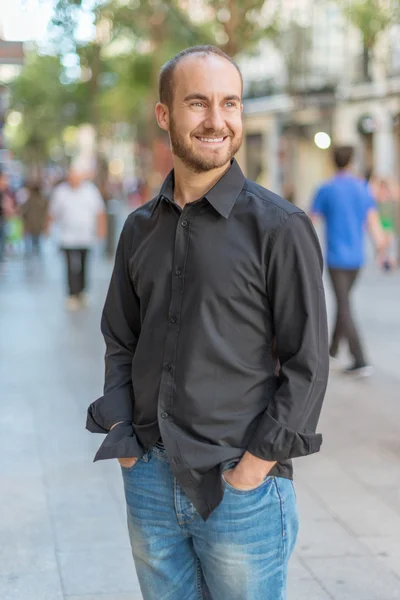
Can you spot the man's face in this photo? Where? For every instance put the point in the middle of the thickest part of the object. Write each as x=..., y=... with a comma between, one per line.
x=205, y=119
x=74, y=178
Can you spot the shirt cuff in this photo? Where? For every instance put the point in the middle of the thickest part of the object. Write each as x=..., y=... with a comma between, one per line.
x=109, y=409
x=120, y=442
x=274, y=442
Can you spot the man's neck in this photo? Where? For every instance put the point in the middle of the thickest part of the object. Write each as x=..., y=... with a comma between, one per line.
x=191, y=186
x=345, y=171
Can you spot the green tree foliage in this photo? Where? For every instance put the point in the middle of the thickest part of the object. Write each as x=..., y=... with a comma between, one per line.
x=154, y=31
x=238, y=25
x=46, y=104
x=371, y=18
x=120, y=66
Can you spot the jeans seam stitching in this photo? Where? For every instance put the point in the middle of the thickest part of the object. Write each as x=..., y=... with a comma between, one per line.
x=283, y=531
x=198, y=580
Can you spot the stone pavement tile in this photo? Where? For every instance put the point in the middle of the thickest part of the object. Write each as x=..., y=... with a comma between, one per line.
x=371, y=465
x=135, y=596
x=41, y=585
x=359, y=508
x=355, y=578
x=386, y=549
x=26, y=542
x=389, y=494
x=301, y=584
x=321, y=534
x=297, y=569
x=111, y=472
x=76, y=530
x=106, y=570
x=18, y=448
x=84, y=511
x=310, y=507
x=326, y=539
x=25, y=553
x=306, y=589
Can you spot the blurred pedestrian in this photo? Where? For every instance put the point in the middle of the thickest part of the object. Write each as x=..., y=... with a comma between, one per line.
x=348, y=209
x=3, y=186
x=78, y=209
x=207, y=275
x=384, y=192
x=35, y=214
x=10, y=222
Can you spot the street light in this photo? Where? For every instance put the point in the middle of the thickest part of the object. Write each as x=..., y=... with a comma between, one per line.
x=322, y=140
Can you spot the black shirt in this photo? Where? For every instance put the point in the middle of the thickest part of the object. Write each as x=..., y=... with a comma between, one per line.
x=196, y=299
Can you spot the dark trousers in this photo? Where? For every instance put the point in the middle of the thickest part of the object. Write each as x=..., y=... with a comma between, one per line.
x=76, y=269
x=343, y=281
x=32, y=244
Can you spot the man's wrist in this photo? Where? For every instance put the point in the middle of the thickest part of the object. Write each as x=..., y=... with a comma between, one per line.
x=253, y=466
x=115, y=424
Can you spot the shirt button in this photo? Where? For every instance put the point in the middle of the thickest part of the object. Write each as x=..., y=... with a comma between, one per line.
x=184, y=223
x=173, y=319
x=178, y=272
x=164, y=415
x=168, y=367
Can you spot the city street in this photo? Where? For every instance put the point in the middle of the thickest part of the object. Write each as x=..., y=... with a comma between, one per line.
x=62, y=518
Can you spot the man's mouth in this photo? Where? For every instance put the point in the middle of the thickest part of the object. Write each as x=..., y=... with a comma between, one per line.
x=211, y=140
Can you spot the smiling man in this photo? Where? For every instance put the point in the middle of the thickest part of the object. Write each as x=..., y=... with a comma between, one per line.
x=204, y=416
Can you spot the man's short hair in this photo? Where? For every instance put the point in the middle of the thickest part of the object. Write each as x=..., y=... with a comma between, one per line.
x=165, y=82
x=342, y=156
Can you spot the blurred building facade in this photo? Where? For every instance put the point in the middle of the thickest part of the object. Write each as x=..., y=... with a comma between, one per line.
x=312, y=80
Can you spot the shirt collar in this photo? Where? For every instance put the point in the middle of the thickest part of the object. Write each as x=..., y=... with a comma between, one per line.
x=222, y=196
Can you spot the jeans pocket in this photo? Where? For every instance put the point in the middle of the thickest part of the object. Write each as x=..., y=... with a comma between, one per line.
x=228, y=486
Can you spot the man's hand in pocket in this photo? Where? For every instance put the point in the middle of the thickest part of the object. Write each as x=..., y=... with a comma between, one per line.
x=127, y=462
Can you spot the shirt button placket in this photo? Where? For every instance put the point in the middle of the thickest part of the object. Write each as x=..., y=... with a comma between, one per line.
x=166, y=396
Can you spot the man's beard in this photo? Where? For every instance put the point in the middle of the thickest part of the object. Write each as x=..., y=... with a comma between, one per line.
x=195, y=160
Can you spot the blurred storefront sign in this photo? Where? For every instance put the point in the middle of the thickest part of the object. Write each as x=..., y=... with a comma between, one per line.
x=286, y=143
x=11, y=53
x=367, y=124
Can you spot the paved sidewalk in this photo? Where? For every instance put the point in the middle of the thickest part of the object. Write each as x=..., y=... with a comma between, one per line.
x=62, y=518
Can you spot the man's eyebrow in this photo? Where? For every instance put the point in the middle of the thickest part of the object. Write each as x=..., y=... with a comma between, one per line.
x=233, y=97
x=198, y=96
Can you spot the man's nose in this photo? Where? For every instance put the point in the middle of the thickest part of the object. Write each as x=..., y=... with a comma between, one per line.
x=214, y=119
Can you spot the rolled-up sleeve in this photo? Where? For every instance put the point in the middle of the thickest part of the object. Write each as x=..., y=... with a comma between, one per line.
x=120, y=326
x=287, y=428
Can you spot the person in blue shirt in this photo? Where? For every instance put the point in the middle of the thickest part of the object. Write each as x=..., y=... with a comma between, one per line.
x=346, y=205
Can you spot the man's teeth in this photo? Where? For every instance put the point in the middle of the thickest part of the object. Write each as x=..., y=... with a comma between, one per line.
x=211, y=140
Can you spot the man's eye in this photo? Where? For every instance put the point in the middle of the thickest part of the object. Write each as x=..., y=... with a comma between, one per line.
x=200, y=104
x=230, y=104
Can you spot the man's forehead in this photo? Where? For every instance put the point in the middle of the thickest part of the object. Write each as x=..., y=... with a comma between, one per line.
x=198, y=65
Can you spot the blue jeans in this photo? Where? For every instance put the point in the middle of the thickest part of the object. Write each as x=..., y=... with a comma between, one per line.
x=240, y=553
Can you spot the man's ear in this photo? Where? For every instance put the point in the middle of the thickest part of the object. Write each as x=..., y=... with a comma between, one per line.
x=162, y=116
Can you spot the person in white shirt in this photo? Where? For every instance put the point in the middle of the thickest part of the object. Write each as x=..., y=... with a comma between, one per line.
x=78, y=209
